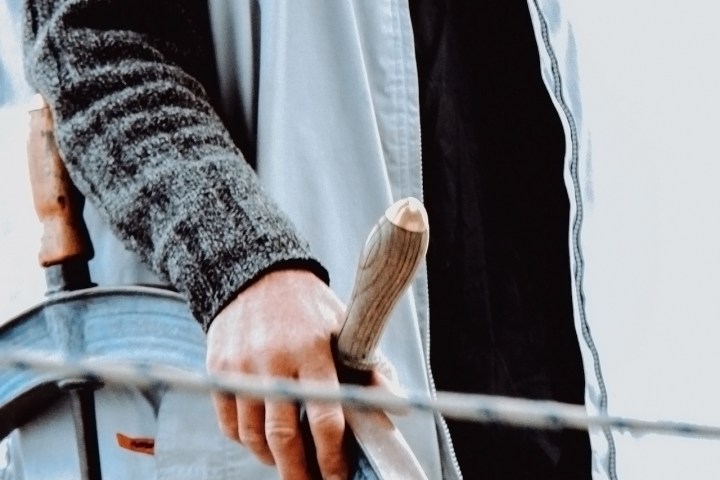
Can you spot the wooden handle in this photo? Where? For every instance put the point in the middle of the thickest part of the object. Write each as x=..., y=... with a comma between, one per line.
x=391, y=255
x=55, y=198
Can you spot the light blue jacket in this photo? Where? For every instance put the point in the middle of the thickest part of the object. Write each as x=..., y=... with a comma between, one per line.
x=328, y=91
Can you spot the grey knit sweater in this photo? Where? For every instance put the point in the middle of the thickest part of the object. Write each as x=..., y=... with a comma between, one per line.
x=127, y=82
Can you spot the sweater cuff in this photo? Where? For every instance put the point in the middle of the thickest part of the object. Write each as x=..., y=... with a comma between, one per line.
x=212, y=264
x=216, y=233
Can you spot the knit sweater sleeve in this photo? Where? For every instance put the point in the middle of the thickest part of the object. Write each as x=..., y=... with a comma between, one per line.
x=142, y=142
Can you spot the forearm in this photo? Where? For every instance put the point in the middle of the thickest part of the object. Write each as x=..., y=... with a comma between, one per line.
x=142, y=142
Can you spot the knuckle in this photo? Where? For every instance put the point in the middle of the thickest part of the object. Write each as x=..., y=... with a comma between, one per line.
x=329, y=422
x=213, y=364
x=281, y=435
x=219, y=365
x=253, y=440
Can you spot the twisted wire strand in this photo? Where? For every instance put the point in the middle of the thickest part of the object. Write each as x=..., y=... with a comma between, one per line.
x=460, y=406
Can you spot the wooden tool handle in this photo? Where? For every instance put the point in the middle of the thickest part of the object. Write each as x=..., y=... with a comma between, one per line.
x=391, y=255
x=56, y=201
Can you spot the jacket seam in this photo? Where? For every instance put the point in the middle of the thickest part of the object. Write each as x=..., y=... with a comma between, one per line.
x=578, y=274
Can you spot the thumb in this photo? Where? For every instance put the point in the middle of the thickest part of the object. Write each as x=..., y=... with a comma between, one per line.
x=384, y=377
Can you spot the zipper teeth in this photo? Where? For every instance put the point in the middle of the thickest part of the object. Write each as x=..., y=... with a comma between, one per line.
x=428, y=368
x=433, y=390
x=430, y=378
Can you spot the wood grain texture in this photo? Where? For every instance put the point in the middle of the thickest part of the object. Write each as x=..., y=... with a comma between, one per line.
x=391, y=255
x=56, y=202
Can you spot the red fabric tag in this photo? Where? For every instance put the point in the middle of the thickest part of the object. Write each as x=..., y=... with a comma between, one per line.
x=140, y=444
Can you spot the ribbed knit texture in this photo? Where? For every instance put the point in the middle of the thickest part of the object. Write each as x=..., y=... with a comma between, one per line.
x=143, y=143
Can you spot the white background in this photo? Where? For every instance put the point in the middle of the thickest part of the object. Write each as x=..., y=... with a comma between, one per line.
x=21, y=280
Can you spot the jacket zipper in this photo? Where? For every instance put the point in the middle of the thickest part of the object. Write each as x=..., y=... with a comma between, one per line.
x=433, y=392
x=431, y=380
x=430, y=377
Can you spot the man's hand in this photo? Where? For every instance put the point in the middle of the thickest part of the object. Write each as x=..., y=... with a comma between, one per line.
x=281, y=327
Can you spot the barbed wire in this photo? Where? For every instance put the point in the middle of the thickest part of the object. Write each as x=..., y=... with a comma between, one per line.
x=459, y=406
